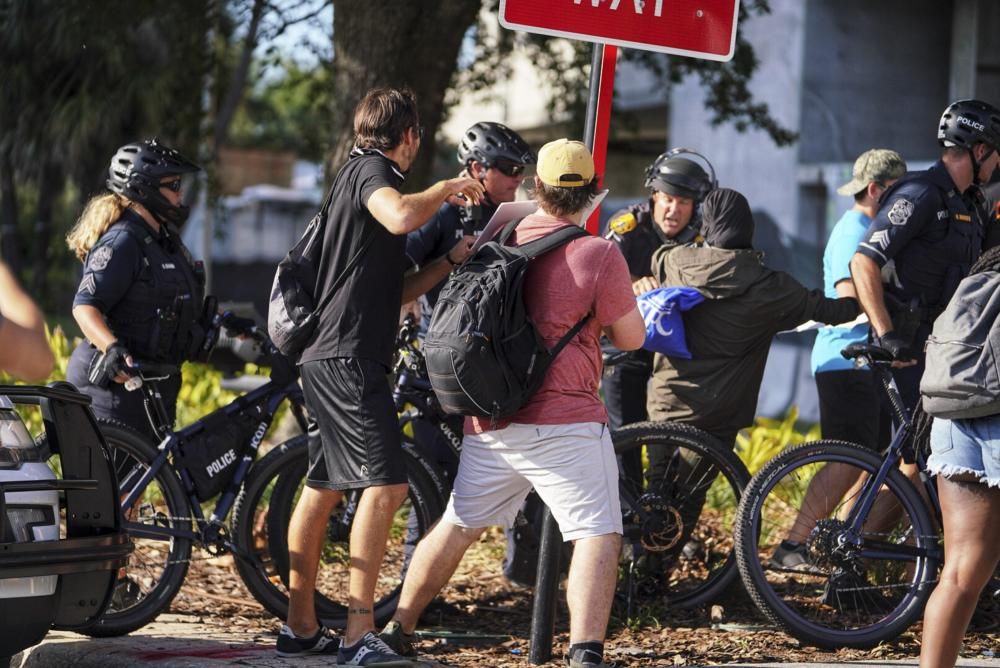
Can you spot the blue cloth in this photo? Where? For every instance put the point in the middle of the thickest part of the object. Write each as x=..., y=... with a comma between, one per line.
x=661, y=311
x=966, y=446
x=844, y=240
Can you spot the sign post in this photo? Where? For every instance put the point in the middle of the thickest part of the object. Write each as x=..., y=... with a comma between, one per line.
x=695, y=28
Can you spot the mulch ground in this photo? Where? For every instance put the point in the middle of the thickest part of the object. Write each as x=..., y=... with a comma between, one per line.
x=482, y=620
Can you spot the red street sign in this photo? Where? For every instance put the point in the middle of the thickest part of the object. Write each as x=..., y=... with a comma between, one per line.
x=695, y=28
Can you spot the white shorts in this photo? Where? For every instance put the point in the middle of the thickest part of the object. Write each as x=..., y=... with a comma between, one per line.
x=571, y=466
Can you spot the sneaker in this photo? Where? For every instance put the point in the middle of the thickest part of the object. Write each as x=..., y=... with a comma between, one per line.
x=589, y=660
x=792, y=557
x=398, y=641
x=126, y=594
x=371, y=651
x=290, y=644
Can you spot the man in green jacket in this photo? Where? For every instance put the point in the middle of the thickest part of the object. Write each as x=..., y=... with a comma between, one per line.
x=730, y=333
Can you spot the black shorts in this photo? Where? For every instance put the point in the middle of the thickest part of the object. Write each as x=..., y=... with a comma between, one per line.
x=354, y=440
x=852, y=408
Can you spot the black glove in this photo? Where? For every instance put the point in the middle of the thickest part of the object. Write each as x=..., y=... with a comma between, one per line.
x=894, y=344
x=107, y=365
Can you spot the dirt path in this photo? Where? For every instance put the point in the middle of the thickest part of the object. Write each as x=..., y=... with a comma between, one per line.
x=496, y=616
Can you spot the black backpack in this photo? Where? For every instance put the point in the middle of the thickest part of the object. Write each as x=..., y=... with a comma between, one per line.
x=484, y=357
x=962, y=374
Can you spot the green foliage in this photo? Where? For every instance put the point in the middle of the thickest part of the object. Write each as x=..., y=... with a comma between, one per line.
x=200, y=394
x=564, y=65
x=769, y=436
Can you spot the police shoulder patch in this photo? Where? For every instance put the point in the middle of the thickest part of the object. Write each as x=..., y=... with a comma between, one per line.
x=99, y=258
x=901, y=211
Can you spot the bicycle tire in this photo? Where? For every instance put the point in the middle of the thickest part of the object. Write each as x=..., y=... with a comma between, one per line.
x=260, y=533
x=681, y=578
x=158, y=573
x=845, y=596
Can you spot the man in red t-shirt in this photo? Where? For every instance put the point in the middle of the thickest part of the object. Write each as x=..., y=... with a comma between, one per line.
x=558, y=442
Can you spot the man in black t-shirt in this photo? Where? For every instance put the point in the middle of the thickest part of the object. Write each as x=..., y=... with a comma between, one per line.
x=354, y=442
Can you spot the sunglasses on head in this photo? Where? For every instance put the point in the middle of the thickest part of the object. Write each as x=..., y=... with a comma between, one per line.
x=174, y=185
x=509, y=167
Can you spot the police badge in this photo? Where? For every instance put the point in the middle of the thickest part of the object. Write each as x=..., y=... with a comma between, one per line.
x=901, y=211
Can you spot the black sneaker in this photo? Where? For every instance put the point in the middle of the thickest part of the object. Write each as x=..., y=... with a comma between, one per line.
x=793, y=557
x=290, y=644
x=125, y=595
x=371, y=651
x=398, y=641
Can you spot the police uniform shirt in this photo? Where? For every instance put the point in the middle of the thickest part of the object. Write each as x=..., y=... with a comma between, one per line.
x=925, y=237
x=438, y=236
x=114, y=265
x=359, y=319
x=639, y=244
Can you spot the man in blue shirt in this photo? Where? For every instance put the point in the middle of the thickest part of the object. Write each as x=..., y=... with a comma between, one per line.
x=849, y=405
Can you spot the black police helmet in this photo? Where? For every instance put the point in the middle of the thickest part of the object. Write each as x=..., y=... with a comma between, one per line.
x=485, y=142
x=679, y=176
x=136, y=171
x=968, y=122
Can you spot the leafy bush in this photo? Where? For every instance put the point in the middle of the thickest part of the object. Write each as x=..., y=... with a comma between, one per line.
x=200, y=394
x=769, y=436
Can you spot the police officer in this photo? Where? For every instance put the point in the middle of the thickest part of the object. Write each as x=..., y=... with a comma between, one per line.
x=496, y=156
x=677, y=185
x=930, y=228
x=141, y=297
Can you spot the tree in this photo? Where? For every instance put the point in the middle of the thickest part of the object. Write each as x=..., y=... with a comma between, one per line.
x=420, y=48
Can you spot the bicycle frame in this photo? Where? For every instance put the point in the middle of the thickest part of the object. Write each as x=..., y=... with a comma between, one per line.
x=894, y=454
x=269, y=396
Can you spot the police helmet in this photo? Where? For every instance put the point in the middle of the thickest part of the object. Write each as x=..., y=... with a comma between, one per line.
x=681, y=177
x=487, y=142
x=967, y=122
x=136, y=170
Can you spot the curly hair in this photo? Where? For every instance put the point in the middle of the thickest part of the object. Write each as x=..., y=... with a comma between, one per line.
x=559, y=201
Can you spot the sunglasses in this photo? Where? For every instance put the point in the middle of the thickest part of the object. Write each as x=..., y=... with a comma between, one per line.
x=174, y=185
x=509, y=167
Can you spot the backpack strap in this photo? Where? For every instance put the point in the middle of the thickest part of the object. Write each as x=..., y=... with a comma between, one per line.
x=568, y=336
x=553, y=240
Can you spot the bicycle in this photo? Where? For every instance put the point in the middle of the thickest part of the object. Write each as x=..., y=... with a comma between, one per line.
x=873, y=552
x=264, y=510
x=162, y=504
x=657, y=509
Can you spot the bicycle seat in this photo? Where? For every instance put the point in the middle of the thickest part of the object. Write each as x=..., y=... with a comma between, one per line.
x=872, y=352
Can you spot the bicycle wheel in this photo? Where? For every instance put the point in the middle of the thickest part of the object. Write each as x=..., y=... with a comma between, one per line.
x=157, y=566
x=857, y=588
x=678, y=514
x=260, y=532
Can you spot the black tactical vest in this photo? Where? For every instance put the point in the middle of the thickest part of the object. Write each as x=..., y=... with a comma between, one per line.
x=158, y=318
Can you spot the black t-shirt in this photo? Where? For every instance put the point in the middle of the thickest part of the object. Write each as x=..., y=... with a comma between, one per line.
x=360, y=319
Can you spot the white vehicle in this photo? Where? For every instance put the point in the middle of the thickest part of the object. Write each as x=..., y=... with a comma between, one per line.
x=61, y=542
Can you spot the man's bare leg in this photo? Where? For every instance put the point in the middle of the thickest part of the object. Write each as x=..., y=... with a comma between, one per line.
x=369, y=533
x=590, y=590
x=306, y=533
x=434, y=562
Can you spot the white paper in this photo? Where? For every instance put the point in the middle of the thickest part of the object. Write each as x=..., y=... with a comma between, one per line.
x=810, y=325
x=508, y=211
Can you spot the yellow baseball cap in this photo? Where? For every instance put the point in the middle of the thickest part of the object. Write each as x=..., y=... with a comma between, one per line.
x=565, y=164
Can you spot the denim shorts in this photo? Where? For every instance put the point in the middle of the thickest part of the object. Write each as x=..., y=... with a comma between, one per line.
x=966, y=446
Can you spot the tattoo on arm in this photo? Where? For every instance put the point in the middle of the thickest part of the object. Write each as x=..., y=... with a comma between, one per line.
x=359, y=611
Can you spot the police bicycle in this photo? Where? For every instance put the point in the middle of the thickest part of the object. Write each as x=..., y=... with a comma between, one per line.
x=872, y=553
x=678, y=522
x=163, y=488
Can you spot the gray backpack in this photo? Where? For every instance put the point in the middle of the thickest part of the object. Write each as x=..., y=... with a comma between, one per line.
x=962, y=376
